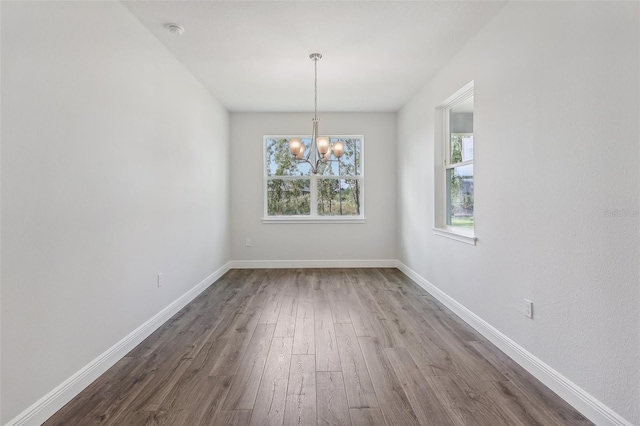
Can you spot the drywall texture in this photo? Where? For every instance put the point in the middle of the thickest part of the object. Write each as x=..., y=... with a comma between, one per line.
x=557, y=98
x=374, y=239
x=114, y=169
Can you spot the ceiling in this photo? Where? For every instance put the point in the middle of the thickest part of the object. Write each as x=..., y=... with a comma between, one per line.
x=254, y=55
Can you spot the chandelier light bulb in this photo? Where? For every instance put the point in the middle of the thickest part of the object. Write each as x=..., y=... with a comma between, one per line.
x=338, y=148
x=294, y=146
x=300, y=154
x=323, y=144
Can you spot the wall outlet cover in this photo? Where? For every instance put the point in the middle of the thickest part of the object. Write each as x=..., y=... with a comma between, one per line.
x=527, y=308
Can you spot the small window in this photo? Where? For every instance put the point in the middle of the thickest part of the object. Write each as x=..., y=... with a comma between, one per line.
x=455, y=191
x=459, y=165
x=293, y=192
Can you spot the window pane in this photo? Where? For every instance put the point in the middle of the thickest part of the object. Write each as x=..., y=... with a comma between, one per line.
x=347, y=165
x=338, y=197
x=460, y=196
x=288, y=197
x=461, y=147
x=461, y=132
x=280, y=162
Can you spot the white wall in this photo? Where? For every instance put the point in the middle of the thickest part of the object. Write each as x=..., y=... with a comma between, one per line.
x=374, y=240
x=557, y=102
x=114, y=168
x=0, y=220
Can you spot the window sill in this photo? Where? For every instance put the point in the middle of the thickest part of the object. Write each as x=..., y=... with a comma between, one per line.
x=463, y=236
x=297, y=219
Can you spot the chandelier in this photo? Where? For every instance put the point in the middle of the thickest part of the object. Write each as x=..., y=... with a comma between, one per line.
x=321, y=146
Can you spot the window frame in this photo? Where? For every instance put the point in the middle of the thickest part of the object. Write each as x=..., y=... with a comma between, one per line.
x=443, y=165
x=313, y=216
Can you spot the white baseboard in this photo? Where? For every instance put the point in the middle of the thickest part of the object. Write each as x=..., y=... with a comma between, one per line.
x=293, y=264
x=577, y=397
x=67, y=390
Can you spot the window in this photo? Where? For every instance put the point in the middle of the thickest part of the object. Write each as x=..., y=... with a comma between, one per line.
x=293, y=193
x=455, y=189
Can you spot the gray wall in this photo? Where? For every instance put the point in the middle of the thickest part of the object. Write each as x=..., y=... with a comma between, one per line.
x=114, y=169
x=375, y=239
x=557, y=101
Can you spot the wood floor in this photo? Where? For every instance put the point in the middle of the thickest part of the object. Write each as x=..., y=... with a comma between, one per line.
x=316, y=346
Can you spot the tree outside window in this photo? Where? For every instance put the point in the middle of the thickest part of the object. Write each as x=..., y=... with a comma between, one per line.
x=291, y=190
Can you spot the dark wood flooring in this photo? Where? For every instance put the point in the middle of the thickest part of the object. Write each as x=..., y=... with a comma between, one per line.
x=316, y=346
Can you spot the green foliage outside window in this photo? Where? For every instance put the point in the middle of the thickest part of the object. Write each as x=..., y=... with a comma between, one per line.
x=460, y=186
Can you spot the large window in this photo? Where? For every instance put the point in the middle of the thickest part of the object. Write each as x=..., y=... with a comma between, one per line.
x=292, y=192
x=455, y=184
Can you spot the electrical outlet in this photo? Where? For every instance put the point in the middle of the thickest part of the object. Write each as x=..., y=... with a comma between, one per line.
x=527, y=308
x=247, y=242
x=160, y=280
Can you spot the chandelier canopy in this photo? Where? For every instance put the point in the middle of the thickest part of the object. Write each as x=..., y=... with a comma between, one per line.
x=321, y=146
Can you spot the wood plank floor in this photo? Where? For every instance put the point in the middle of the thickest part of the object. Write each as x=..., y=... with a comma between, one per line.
x=316, y=346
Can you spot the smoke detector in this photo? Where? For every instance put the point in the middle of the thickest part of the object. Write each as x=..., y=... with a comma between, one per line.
x=175, y=29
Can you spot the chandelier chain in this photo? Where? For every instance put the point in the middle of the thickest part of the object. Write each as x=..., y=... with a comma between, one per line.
x=315, y=89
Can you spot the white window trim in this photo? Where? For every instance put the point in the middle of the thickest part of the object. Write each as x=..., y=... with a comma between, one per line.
x=456, y=234
x=442, y=147
x=306, y=219
x=313, y=217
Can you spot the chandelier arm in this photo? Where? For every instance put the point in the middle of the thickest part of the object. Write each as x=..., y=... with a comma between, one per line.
x=314, y=169
x=304, y=160
x=308, y=156
x=313, y=147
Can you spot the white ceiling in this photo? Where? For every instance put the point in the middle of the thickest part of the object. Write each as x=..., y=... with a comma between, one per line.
x=254, y=55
